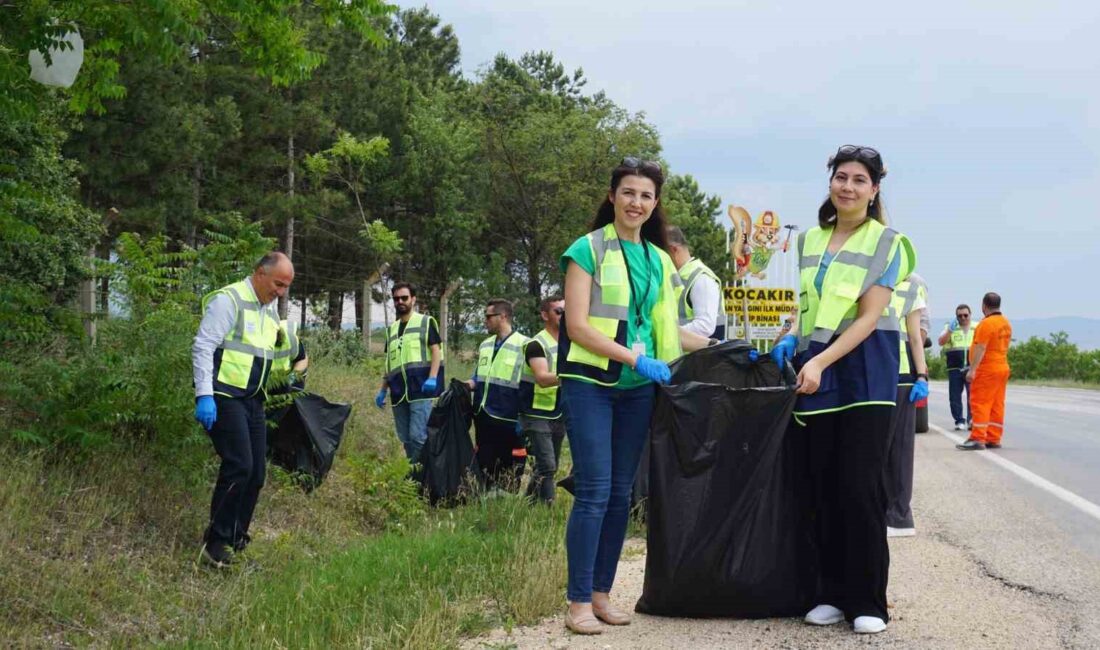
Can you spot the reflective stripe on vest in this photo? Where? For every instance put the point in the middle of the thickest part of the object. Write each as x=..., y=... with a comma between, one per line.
x=409, y=360
x=689, y=273
x=243, y=360
x=868, y=373
x=288, y=351
x=903, y=301
x=541, y=402
x=609, y=309
x=499, y=377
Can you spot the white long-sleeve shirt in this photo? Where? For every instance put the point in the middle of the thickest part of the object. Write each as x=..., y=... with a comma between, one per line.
x=217, y=322
x=706, y=303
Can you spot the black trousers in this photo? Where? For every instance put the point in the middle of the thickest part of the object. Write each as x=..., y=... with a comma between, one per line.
x=899, y=462
x=500, y=452
x=240, y=438
x=847, y=455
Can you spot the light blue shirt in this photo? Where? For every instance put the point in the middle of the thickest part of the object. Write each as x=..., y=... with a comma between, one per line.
x=888, y=279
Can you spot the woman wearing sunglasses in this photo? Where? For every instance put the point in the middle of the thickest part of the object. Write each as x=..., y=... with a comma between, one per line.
x=620, y=331
x=847, y=355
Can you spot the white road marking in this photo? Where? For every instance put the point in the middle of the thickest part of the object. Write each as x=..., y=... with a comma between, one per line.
x=1079, y=502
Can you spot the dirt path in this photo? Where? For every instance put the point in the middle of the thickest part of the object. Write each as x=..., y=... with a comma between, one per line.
x=945, y=590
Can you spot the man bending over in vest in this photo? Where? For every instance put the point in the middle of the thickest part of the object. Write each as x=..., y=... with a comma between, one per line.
x=699, y=300
x=232, y=357
x=541, y=416
x=414, y=363
x=501, y=452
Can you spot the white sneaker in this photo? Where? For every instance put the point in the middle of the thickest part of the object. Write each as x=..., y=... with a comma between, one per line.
x=900, y=532
x=824, y=615
x=868, y=625
x=959, y=427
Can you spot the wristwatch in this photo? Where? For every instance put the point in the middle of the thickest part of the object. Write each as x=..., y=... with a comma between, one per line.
x=922, y=375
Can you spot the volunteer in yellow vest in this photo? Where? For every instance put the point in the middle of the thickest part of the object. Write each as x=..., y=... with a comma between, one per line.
x=540, y=416
x=621, y=330
x=414, y=365
x=956, y=339
x=231, y=360
x=291, y=358
x=909, y=303
x=847, y=353
x=501, y=451
x=700, y=303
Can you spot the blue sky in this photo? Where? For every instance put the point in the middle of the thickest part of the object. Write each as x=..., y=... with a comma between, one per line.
x=987, y=114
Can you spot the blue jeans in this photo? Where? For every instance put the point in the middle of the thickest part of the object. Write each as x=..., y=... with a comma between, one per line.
x=956, y=384
x=411, y=419
x=607, y=429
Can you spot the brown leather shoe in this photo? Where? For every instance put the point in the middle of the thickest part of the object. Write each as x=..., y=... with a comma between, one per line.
x=611, y=615
x=584, y=624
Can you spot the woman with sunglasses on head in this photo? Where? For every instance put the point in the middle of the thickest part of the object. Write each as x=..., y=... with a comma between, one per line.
x=847, y=354
x=620, y=330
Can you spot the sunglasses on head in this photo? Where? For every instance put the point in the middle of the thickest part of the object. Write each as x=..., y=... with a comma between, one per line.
x=856, y=152
x=637, y=163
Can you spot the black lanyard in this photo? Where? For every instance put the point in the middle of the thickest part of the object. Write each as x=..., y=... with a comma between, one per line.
x=633, y=292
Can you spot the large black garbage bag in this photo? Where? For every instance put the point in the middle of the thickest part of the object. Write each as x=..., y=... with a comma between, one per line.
x=448, y=463
x=307, y=436
x=727, y=528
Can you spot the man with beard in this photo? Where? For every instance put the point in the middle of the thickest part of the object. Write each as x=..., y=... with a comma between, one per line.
x=540, y=408
x=414, y=363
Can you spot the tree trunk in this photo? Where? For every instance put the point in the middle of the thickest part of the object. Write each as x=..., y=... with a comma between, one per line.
x=87, y=300
x=364, y=313
x=305, y=307
x=290, y=218
x=359, y=302
x=335, y=310
x=445, y=312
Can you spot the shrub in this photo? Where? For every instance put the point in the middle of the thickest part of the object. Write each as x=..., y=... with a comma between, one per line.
x=384, y=495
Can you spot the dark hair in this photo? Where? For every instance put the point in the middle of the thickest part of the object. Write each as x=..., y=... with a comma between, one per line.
x=655, y=228
x=992, y=300
x=966, y=307
x=826, y=214
x=676, y=236
x=549, y=300
x=403, y=285
x=502, y=306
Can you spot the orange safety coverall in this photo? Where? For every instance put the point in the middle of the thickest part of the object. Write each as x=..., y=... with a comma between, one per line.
x=987, y=391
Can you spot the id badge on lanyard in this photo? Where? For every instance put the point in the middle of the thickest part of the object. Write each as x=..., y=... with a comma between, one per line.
x=638, y=347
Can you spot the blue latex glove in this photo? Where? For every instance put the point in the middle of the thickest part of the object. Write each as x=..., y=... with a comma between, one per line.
x=430, y=385
x=380, y=398
x=784, y=350
x=206, y=412
x=753, y=355
x=953, y=325
x=653, y=369
x=919, y=392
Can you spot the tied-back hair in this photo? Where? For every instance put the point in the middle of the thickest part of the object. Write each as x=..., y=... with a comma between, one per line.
x=655, y=229
x=826, y=214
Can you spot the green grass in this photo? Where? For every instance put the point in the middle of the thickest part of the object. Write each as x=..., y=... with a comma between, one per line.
x=101, y=550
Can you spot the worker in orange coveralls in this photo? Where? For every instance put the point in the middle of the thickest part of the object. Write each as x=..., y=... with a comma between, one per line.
x=988, y=376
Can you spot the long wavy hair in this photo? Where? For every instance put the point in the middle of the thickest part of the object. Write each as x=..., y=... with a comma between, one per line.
x=826, y=214
x=655, y=229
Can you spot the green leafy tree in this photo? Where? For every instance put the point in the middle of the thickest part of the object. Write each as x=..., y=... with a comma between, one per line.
x=696, y=214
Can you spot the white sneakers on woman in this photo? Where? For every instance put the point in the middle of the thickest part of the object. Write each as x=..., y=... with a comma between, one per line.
x=829, y=615
x=868, y=625
x=824, y=615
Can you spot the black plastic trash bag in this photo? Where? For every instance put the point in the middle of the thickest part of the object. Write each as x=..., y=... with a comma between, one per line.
x=448, y=465
x=306, y=439
x=726, y=509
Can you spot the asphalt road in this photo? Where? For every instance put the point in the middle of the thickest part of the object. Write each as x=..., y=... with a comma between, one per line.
x=1055, y=434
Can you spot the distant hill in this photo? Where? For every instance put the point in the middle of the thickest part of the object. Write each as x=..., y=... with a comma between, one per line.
x=1084, y=332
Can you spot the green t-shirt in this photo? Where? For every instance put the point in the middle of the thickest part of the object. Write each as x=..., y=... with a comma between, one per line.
x=581, y=253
